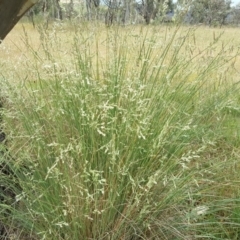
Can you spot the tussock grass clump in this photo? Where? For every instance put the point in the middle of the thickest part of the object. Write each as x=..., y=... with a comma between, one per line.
x=127, y=139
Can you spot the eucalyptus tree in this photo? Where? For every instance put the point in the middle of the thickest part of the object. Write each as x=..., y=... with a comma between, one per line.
x=92, y=9
x=112, y=11
x=154, y=8
x=120, y=11
x=56, y=9
x=126, y=11
x=51, y=8
x=209, y=12
x=236, y=15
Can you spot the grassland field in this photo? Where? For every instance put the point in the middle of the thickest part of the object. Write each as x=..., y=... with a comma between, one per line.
x=120, y=133
x=15, y=47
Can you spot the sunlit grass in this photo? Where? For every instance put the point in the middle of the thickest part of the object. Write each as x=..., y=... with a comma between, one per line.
x=60, y=36
x=122, y=133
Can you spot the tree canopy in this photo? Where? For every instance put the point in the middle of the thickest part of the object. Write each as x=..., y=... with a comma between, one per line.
x=210, y=12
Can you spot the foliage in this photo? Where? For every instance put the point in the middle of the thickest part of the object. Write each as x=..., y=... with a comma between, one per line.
x=154, y=8
x=120, y=12
x=213, y=12
x=124, y=136
x=236, y=15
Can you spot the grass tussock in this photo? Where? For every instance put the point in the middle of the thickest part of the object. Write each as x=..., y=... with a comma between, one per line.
x=123, y=134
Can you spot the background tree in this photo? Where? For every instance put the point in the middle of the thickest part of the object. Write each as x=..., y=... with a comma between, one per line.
x=92, y=9
x=70, y=9
x=153, y=8
x=209, y=12
x=52, y=8
x=126, y=11
x=112, y=11
x=235, y=16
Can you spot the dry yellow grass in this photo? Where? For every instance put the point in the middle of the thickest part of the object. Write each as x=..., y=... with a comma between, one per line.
x=25, y=42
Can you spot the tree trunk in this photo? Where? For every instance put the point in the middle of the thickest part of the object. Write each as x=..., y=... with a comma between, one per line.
x=57, y=10
x=126, y=11
x=10, y=13
x=149, y=8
